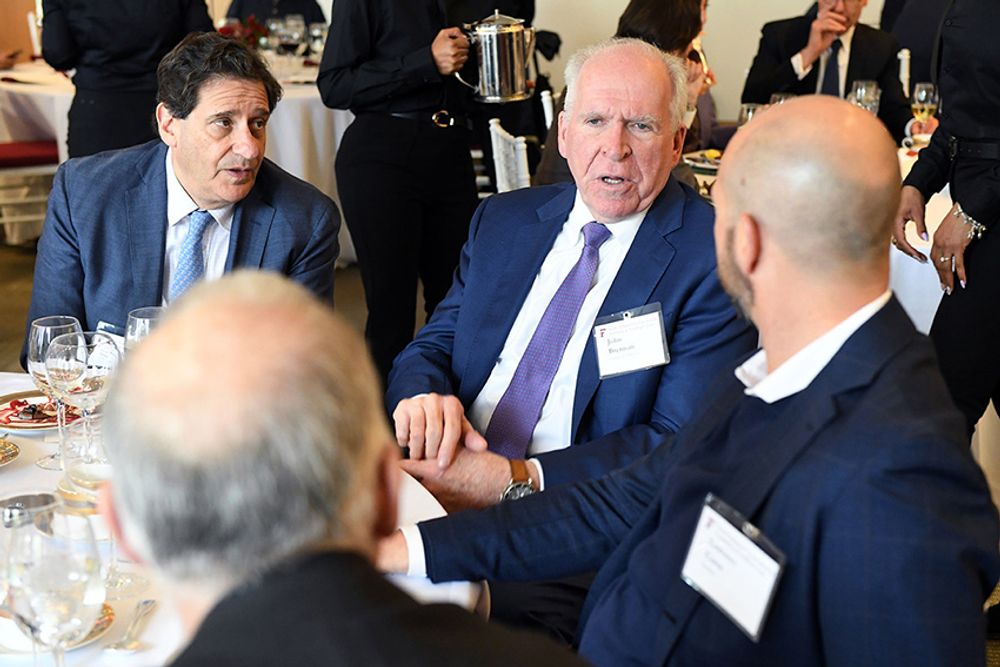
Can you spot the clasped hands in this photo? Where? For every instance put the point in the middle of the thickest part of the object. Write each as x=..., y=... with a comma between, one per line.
x=448, y=455
x=950, y=240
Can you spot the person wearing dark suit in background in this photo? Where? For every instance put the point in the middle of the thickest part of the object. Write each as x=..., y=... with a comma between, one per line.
x=265, y=9
x=404, y=171
x=453, y=389
x=965, y=154
x=136, y=227
x=114, y=46
x=264, y=527
x=827, y=55
x=823, y=499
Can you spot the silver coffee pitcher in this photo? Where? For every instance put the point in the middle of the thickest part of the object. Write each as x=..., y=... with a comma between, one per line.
x=504, y=47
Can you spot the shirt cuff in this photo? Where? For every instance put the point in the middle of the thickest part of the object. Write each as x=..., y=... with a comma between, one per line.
x=541, y=473
x=415, y=551
x=800, y=70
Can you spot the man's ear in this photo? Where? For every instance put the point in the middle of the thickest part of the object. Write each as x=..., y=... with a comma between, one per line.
x=387, y=495
x=747, y=244
x=166, y=123
x=106, y=508
x=561, y=132
x=677, y=146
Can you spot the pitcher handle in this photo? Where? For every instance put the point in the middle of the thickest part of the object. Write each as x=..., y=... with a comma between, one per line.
x=469, y=30
x=464, y=82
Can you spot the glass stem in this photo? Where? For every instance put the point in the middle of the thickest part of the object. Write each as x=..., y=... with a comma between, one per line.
x=61, y=426
x=58, y=656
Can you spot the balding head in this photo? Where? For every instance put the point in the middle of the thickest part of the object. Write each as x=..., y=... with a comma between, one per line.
x=820, y=177
x=248, y=427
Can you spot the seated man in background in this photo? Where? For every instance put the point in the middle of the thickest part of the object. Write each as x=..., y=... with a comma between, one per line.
x=138, y=226
x=826, y=54
x=510, y=354
x=822, y=507
x=263, y=517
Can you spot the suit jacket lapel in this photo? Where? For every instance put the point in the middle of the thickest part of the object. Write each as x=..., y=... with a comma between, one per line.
x=855, y=365
x=858, y=57
x=522, y=260
x=251, y=226
x=646, y=262
x=146, y=220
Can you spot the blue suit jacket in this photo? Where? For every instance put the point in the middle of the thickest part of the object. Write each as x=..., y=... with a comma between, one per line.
x=101, y=251
x=865, y=482
x=671, y=261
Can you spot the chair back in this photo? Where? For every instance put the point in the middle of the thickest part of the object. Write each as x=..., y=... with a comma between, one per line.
x=904, y=70
x=547, y=108
x=510, y=158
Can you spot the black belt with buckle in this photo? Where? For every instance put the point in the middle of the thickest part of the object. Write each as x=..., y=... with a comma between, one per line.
x=440, y=118
x=983, y=150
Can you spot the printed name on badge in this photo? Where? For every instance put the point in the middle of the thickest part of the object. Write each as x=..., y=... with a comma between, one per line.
x=632, y=340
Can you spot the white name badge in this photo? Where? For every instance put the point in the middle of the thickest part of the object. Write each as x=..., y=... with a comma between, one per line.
x=632, y=340
x=733, y=565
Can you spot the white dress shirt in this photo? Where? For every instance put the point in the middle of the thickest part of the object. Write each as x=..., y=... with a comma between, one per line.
x=791, y=377
x=553, y=428
x=843, y=57
x=798, y=371
x=215, y=241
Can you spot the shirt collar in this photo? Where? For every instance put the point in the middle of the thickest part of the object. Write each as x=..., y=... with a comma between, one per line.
x=846, y=39
x=625, y=228
x=180, y=205
x=799, y=370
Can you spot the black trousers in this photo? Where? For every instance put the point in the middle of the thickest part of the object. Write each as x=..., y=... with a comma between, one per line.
x=549, y=607
x=966, y=331
x=408, y=192
x=100, y=121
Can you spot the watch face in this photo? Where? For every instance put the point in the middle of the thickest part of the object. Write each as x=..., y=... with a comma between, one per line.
x=518, y=490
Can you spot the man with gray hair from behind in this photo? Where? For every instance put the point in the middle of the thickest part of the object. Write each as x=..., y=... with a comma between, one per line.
x=254, y=472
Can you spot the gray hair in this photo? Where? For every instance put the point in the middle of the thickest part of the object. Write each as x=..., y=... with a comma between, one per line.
x=675, y=67
x=247, y=428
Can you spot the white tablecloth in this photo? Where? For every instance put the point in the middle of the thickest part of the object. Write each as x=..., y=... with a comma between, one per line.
x=302, y=134
x=163, y=633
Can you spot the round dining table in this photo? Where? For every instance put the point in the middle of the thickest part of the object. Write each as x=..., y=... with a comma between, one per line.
x=162, y=635
x=302, y=133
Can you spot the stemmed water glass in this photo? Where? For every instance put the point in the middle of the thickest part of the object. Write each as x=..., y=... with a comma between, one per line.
x=141, y=322
x=317, y=38
x=54, y=578
x=865, y=94
x=87, y=468
x=80, y=366
x=43, y=331
x=747, y=112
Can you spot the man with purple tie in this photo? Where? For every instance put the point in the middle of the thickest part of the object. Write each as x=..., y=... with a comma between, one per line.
x=511, y=366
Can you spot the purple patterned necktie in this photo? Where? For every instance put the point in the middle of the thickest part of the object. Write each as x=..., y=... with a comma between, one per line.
x=515, y=416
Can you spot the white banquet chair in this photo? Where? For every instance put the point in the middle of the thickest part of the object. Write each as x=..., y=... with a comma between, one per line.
x=510, y=158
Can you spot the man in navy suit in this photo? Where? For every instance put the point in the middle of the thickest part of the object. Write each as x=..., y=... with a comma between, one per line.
x=823, y=501
x=827, y=53
x=447, y=384
x=135, y=227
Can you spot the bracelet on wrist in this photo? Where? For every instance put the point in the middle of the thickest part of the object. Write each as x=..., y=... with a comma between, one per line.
x=976, y=228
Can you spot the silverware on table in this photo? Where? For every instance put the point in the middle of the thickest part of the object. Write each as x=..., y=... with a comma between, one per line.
x=130, y=642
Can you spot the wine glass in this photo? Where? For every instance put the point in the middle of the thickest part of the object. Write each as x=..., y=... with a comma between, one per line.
x=40, y=336
x=865, y=94
x=924, y=102
x=747, y=112
x=80, y=366
x=54, y=578
x=87, y=468
x=780, y=98
x=141, y=322
x=317, y=38
x=295, y=34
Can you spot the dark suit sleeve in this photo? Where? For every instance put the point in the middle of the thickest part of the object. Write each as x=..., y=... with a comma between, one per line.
x=925, y=520
x=351, y=76
x=930, y=173
x=424, y=366
x=771, y=71
x=59, y=47
x=58, y=283
x=545, y=536
x=314, y=266
x=709, y=339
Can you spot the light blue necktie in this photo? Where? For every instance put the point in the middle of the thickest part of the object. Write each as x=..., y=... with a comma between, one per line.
x=191, y=263
x=514, y=419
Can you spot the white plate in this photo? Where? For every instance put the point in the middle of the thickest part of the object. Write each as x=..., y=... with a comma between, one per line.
x=699, y=161
x=13, y=641
x=32, y=396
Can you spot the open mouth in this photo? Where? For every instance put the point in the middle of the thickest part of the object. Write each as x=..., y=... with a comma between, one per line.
x=612, y=180
x=240, y=173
